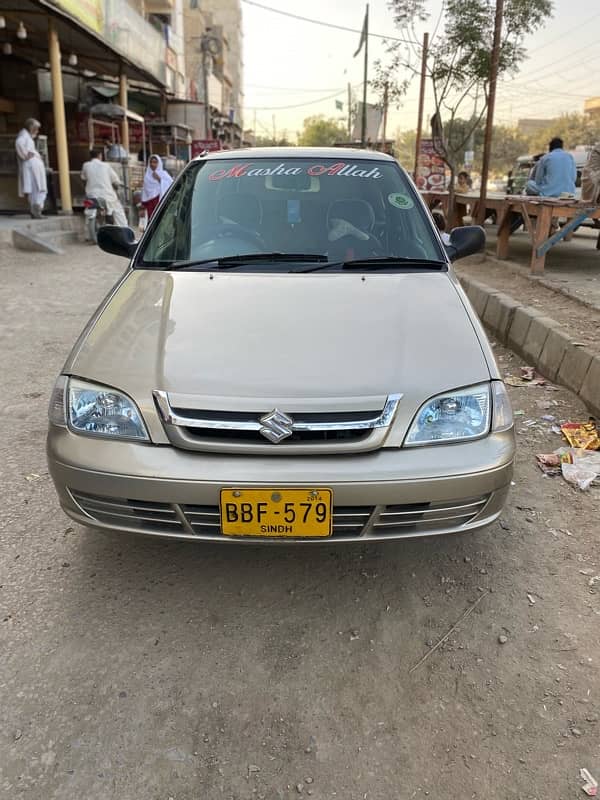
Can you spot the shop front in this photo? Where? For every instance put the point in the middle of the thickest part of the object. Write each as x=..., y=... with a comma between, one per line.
x=58, y=66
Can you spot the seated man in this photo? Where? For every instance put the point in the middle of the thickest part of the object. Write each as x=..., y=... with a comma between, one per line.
x=555, y=174
x=100, y=181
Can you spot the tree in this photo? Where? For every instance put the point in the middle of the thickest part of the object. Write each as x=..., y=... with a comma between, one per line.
x=319, y=131
x=459, y=61
x=573, y=129
x=507, y=142
x=269, y=141
x=404, y=147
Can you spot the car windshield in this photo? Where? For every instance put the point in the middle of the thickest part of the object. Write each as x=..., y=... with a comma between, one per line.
x=319, y=209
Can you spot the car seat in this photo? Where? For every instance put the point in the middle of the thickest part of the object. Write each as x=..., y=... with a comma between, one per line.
x=241, y=208
x=350, y=226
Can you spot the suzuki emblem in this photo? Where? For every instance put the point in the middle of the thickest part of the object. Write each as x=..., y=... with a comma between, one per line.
x=276, y=426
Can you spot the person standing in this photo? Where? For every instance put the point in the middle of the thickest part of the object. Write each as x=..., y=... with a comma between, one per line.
x=100, y=181
x=156, y=182
x=32, y=171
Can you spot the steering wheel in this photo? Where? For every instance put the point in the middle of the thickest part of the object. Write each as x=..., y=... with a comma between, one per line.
x=232, y=230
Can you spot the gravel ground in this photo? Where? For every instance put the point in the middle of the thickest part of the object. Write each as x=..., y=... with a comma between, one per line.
x=134, y=668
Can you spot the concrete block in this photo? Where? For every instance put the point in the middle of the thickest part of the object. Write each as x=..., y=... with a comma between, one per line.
x=590, y=389
x=499, y=313
x=574, y=368
x=479, y=294
x=519, y=327
x=536, y=338
x=23, y=240
x=555, y=347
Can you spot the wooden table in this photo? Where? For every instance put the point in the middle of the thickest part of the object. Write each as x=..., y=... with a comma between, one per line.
x=494, y=202
x=537, y=214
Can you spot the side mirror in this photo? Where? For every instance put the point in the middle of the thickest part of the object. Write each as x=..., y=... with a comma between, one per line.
x=465, y=241
x=116, y=240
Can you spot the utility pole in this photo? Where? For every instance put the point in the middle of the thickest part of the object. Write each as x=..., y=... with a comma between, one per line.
x=421, y=101
x=254, y=128
x=385, y=113
x=363, y=126
x=349, y=111
x=274, y=131
x=487, y=143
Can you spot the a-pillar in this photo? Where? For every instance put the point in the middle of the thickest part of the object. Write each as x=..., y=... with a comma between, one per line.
x=60, y=123
x=123, y=103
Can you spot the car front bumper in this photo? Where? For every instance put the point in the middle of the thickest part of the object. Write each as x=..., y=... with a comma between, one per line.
x=386, y=494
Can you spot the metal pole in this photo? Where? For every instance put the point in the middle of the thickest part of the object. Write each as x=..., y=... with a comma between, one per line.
x=123, y=103
x=349, y=111
x=421, y=102
x=385, y=113
x=363, y=125
x=487, y=143
x=207, y=125
x=60, y=124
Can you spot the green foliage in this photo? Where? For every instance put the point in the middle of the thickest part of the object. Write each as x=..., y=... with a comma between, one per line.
x=459, y=60
x=319, y=131
x=573, y=129
x=404, y=148
x=507, y=145
x=269, y=141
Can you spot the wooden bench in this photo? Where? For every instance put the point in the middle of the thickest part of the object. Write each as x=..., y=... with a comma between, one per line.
x=538, y=214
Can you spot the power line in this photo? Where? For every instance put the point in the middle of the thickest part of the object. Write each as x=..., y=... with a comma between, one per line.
x=327, y=24
x=300, y=105
x=564, y=33
x=293, y=88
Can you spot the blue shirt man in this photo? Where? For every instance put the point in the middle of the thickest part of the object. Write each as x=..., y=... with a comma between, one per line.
x=555, y=174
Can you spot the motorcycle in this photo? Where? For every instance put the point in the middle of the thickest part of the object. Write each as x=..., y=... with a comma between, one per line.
x=96, y=215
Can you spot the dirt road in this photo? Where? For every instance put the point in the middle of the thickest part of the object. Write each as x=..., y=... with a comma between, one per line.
x=143, y=670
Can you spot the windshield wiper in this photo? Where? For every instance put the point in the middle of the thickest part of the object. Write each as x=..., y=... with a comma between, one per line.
x=385, y=262
x=229, y=262
x=390, y=261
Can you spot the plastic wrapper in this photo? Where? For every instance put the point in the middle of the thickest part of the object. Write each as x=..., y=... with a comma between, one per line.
x=580, y=467
x=583, y=435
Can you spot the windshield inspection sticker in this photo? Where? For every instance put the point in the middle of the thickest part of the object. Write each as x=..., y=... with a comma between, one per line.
x=400, y=200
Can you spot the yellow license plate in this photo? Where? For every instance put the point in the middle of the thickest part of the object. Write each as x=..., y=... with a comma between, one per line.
x=278, y=513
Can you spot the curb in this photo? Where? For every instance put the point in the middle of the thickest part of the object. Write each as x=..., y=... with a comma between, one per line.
x=539, y=340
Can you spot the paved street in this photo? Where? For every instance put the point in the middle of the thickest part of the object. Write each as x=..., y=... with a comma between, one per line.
x=143, y=670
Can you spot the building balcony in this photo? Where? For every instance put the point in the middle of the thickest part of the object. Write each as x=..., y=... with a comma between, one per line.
x=130, y=34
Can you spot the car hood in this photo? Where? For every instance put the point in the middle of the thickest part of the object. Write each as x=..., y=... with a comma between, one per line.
x=248, y=341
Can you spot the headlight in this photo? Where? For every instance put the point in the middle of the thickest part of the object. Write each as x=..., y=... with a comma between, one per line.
x=452, y=417
x=99, y=411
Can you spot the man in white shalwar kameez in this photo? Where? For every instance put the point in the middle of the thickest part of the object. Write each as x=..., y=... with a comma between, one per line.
x=32, y=171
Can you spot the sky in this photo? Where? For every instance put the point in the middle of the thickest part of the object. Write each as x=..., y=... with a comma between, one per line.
x=294, y=69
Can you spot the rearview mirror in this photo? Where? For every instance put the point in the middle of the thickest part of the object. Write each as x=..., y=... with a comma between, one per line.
x=465, y=241
x=117, y=240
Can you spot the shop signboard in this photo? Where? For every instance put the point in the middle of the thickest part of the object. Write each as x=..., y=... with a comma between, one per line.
x=201, y=145
x=90, y=12
x=431, y=170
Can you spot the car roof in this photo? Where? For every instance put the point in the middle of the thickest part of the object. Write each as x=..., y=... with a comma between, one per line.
x=297, y=152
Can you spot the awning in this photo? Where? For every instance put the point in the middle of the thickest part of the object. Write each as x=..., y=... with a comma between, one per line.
x=94, y=53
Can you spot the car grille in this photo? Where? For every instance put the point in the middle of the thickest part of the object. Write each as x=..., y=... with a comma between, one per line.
x=276, y=432
x=427, y=517
x=408, y=519
x=143, y=515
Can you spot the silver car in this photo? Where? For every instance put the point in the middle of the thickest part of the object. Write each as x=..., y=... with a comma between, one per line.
x=288, y=357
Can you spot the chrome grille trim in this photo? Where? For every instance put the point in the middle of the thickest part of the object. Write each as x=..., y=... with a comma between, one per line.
x=427, y=516
x=138, y=514
x=348, y=521
x=172, y=417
